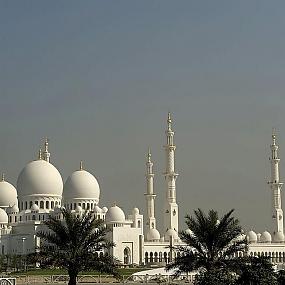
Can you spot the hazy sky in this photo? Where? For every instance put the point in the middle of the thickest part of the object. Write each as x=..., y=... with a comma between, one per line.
x=98, y=78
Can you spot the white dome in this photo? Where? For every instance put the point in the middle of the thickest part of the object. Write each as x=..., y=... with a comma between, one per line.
x=104, y=209
x=266, y=237
x=81, y=184
x=35, y=208
x=3, y=217
x=172, y=233
x=39, y=177
x=136, y=211
x=279, y=237
x=97, y=209
x=153, y=234
x=115, y=214
x=8, y=194
x=252, y=237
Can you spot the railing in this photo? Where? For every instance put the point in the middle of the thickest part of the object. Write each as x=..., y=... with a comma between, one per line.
x=97, y=279
x=7, y=281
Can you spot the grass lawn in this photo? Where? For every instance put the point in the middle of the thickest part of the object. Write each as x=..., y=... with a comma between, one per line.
x=123, y=271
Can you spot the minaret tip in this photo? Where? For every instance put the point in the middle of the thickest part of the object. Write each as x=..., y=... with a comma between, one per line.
x=81, y=165
x=274, y=134
x=3, y=176
x=149, y=155
x=169, y=121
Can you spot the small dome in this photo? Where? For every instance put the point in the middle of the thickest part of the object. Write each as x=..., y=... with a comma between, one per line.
x=136, y=211
x=265, y=237
x=153, y=235
x=3, y=217
x=279, y=237
x=105, y=210
x=35, y=208
x=8, y=194
x=115, y=214
x=172, y=233
x=252, y=237
x=78, y=209
x=39, y=177
x=81, y=184
x=97, y=209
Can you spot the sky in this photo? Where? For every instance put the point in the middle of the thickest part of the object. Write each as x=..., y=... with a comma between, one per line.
x=99, y=77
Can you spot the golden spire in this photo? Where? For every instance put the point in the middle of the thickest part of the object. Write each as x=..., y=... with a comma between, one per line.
x=81, y=165
x=3, y=176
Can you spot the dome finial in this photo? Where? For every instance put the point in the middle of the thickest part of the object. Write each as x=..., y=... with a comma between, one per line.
x=46, y=154
x=81, y=165
x=40, y=154
x=115, y=204
x=3, y=176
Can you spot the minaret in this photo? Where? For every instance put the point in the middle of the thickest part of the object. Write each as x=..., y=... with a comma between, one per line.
x=149, y=195
x=276, y=185
x=46, y=154
x=170, y=207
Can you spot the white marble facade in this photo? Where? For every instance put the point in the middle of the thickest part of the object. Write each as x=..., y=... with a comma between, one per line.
x=40, y=192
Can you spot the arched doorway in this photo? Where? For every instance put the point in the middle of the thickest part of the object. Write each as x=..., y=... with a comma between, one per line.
x=127, y=255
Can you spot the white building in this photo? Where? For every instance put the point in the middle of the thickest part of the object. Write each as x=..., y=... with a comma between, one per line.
x=40, y=192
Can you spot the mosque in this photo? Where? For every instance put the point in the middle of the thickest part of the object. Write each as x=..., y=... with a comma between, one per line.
x=40, y=192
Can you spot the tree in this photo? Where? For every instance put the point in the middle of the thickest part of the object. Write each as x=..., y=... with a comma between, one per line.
x=257, y=271
x=281, y=277
x=73, y=244
x=210, y=246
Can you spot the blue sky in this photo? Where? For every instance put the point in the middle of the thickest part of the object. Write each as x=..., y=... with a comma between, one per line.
x=98, y=78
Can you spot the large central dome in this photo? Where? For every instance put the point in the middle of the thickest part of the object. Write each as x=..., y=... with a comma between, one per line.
x=39, y=177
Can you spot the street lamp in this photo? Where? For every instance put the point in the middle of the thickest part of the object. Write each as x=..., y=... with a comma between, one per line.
x=24, y=252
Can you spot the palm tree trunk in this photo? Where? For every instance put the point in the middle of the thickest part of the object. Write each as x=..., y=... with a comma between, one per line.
x=72, y=277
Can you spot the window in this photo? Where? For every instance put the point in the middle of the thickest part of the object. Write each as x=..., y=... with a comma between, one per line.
x=42, y=204
x=47, y=204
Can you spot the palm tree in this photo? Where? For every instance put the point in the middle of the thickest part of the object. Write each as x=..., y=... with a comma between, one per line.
x=210, y=245
x=73, y=244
